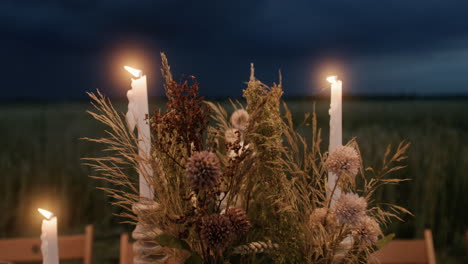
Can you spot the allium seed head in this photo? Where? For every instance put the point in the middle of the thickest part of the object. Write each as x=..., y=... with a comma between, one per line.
x=343, y=161
x=239, y=220
x=217, y=231
x=203, y=171
x=367, y=231
x=240, y=119
x=349, y=208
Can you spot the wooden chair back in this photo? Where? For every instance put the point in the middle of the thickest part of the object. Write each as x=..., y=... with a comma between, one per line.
x=126, y=249
x=26, y=250
x=417, y=251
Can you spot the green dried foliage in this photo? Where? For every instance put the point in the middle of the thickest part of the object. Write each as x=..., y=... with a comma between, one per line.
x=267, y=186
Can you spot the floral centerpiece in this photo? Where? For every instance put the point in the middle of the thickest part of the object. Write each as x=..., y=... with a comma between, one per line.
x=244, y=187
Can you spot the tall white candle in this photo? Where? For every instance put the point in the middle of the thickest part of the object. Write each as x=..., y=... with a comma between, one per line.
x=49, y=239
x=335, y=128
x=137, y=116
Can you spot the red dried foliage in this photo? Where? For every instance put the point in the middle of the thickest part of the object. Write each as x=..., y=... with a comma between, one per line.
x=185, y=119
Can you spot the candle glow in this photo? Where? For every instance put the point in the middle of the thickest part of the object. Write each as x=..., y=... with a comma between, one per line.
x=135, y=72
x=332, y=79
x=48, y=215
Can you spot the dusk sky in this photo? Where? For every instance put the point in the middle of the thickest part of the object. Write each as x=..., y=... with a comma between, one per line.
x=60, y=49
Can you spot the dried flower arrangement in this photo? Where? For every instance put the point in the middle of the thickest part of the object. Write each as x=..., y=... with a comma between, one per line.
x=248, y=188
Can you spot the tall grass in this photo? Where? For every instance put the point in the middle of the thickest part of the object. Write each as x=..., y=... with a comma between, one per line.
x=40, y=152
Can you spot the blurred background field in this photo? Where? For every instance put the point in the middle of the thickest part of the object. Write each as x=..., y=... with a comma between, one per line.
x=40, y=166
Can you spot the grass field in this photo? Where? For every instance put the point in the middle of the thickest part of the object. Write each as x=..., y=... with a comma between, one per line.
x=40, y=152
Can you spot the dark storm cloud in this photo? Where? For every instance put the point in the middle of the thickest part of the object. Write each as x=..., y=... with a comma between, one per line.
x=350, y=26
x=80, y=23
x=219, y=38
x=360, y=26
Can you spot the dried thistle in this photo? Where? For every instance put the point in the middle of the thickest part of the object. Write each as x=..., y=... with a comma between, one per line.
x=239, y=220
x=217, y=231
x=203, y=171
x=344, y=161
x=349, y=208
x=367, y=231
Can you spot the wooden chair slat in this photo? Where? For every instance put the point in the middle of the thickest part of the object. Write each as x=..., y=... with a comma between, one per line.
x=418, y=251
x=126, y=249
x=21, y=250
x=73, y=247
x=88, y=245
x=403, y=251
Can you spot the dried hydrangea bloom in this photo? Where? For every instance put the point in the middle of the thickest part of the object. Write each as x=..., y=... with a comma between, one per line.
x=239, y=220
x=217, y=231
x=203, y=171
x=240, y=119
x=349, y=208
x=343, y=161
x=367, y=231
x=317, y=217
x=231, y=135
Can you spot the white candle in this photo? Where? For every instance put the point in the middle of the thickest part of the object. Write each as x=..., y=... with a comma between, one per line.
x=137, y=116
x=335, y=128
x=49, y=240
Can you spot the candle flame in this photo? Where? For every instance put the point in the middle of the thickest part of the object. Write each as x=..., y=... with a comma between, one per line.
x=135, y=72
x=332, y=79
x=48, y=215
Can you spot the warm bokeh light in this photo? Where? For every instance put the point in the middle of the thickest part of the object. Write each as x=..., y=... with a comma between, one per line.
x=332, y=79
x=325, y=70
x=134, y=52
x=48, y=215
x=135, y=72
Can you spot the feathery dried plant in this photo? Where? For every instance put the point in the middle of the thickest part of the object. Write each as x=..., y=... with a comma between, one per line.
x=121, y=148
x=349, y=230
